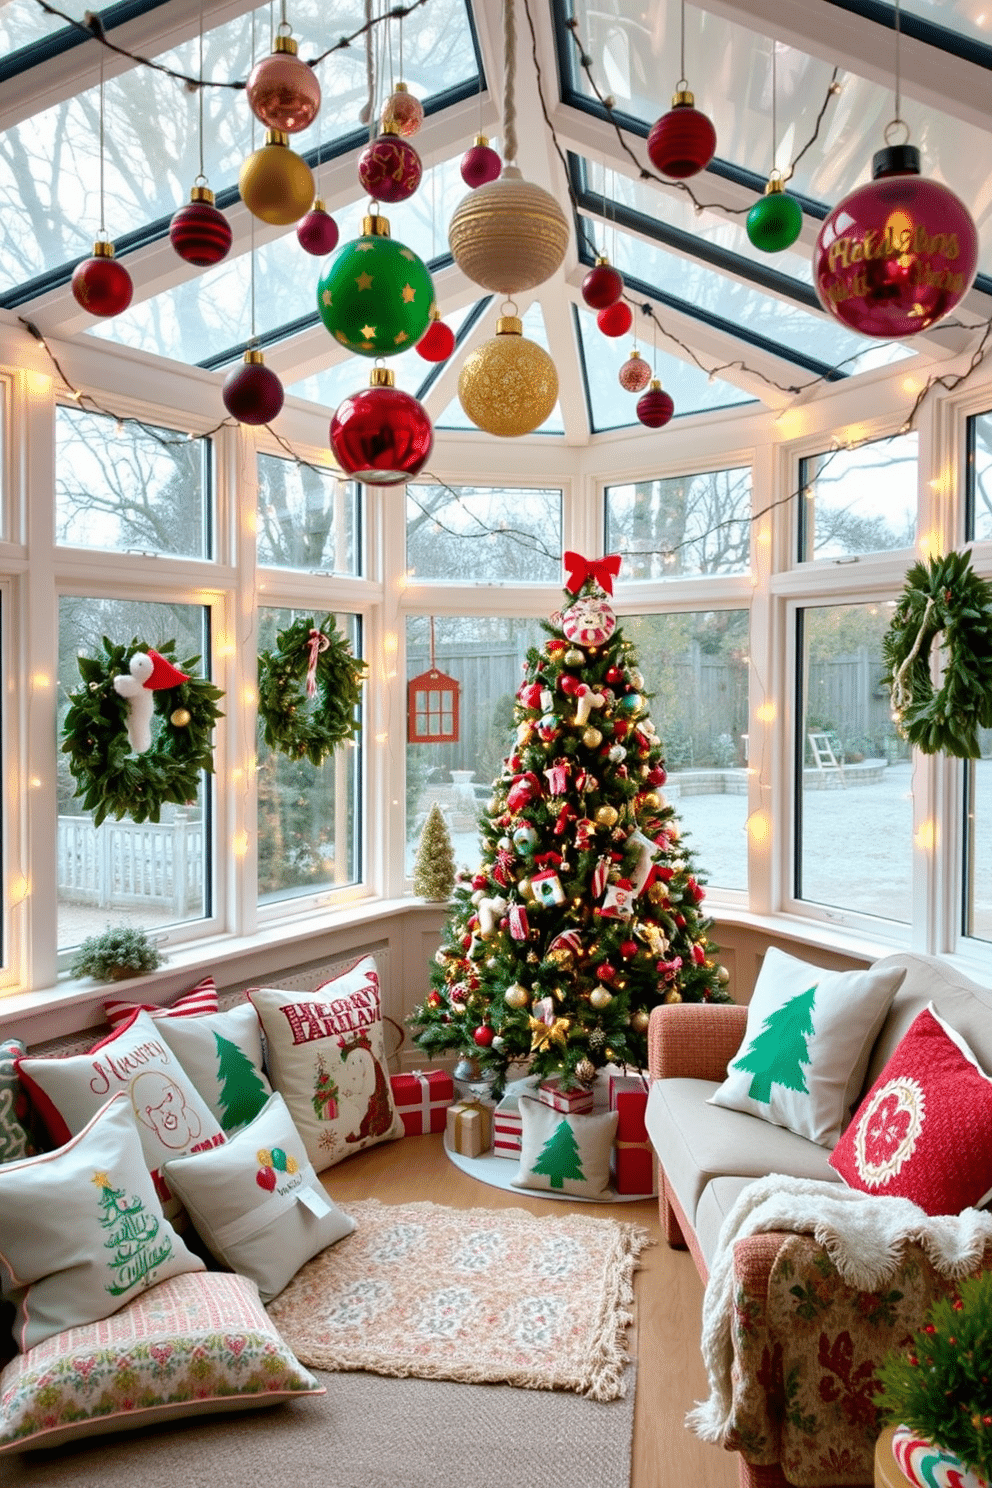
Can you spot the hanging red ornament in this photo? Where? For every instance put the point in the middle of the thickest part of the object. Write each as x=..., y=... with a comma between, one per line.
x=683, y=141
x=898, y=254
x=602, y=286
x=282, y=91
x=438, y=341
x=317, y=232
x=100, y=284
x=252, y=393
x=199, y=232
x=403, y=110
x=634, y=376
x=615, y=320
x=480, y=164
x=389, y=169
x=483, y=1035
x=655, y=408
x=381, y=435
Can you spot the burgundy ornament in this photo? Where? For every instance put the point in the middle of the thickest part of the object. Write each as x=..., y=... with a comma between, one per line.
x=683, y=141
x=388, y=168
x=252, y=393
x=480, y=164
x=438, y=341
x=100, y=284
x=381, y=435
x=615, y=320
x=655, y=408
x=403, y=110
x=317, y=232
x=602, y=286
x=898, y=254
x=281, y=90
x=634, y=376
x=199, y=232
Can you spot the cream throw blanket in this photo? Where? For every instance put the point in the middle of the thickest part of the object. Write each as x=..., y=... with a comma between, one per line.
x=863, y=1235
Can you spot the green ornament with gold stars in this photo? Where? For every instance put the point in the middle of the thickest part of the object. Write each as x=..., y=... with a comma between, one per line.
x=375, y=296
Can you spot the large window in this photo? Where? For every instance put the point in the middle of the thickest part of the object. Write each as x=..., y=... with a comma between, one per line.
x=695, y=669
x=682, y=524
x=854, y=807
x=860, y=500
x=484, y=533
x=307, y=518
x=978, y=515
x=977, y=907
x=124, y=485
x=152, y=874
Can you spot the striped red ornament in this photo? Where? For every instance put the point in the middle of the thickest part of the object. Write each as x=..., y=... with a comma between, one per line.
x=198, y=232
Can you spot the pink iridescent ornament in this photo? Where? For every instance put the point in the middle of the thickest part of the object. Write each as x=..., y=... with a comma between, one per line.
x=635, y=374
x=402, y=110
x=282, y=91
x=388, y=168
x=897, y=255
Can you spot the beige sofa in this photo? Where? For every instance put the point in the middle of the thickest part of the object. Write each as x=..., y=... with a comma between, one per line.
x=805, y=1344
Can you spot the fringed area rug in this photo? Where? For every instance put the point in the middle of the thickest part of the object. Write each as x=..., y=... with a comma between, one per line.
x=477, y=1295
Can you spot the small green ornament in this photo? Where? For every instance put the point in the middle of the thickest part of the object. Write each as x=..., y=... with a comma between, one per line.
x=376, y=296
x=776, y=219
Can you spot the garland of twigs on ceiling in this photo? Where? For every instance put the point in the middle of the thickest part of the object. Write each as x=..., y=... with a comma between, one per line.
x=309, y=687
x=111, y=779
x=943, y=602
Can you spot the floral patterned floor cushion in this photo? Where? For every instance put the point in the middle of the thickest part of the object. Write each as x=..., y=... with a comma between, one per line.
x=197, y=1343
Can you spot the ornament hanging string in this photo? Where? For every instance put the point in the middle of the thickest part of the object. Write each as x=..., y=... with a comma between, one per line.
x=316, y=643
x=509, y=82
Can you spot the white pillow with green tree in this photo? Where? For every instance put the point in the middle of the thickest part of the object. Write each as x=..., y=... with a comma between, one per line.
x=565, y=1154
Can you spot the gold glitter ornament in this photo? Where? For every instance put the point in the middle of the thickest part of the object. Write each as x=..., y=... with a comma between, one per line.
x=592, y=738
x=574, y=657
x=180, y=717
x=607, y=816
x=509, y=385
x=585, y=1071
x=516, y=996
x=674, y=996
x=722, y=975
x=639, y=1020
x=509, y=235
x=600, y=997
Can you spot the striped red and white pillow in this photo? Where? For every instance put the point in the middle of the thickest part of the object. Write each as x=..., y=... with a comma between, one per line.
x=193, y=1004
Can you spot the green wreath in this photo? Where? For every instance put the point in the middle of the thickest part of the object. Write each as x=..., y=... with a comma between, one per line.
x=308, y=690
x=945, y=598
x=114, y=781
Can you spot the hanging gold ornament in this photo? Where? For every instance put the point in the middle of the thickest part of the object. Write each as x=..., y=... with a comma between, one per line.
x=592, y=738
x=600, y=997
x=639, y=1020
x=516, y=996
x=673, y=996
x=509, y=385
x=276, y=184
x=179, y=717
x=510, y=235
x=585, y=1071
x=574, y=657
x=607, y=816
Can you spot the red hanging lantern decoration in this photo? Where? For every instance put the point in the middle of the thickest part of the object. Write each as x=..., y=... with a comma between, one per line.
x=403, y=110
x=603, y=285
x=432, y=706
x=380, y=435
x=480, y=164
x=252, y=393
x=895, y=256
x=389, y=168
x=655, y=408
x=100, y=284
x=615, y=320
x=317, y=232
x=198, y=232
x=282, y=91
x=683, y=141
x=438, y=341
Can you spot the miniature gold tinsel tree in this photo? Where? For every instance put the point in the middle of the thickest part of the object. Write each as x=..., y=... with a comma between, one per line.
x=434, y=870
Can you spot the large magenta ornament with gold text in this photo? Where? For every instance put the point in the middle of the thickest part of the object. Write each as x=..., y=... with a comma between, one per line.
x=897, y=255
x=375, y=295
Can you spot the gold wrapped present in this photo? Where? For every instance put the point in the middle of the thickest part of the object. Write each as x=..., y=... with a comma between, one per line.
x=470, y=1128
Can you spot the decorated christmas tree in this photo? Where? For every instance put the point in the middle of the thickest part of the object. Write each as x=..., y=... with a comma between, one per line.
x=585, y=911
x=434, y=870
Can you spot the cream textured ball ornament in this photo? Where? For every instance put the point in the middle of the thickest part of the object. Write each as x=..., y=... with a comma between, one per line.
x=509, y=385
x=510, y=235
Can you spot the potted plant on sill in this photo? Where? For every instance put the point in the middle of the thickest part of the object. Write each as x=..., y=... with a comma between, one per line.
x=938, y=1392
x=120, y=952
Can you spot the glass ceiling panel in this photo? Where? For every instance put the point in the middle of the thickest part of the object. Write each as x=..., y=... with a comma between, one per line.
x=612, y=408
x=49, y=165
x=749, y=307
x=23, y=22
x=967, y=17
x=635, y=58
x=211, y=312
x=455, y=417
x=334, y=383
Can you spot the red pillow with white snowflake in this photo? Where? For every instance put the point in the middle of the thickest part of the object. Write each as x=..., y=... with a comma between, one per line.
x=924, y=1130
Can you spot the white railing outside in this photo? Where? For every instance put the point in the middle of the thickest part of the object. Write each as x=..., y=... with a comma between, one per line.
x=154, y=864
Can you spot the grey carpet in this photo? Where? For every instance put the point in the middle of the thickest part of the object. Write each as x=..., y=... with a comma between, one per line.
x=368, y=1431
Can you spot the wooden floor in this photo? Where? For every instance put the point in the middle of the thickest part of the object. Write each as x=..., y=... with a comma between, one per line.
x=670, y=1377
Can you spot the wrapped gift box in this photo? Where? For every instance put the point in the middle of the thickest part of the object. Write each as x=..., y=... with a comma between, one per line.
x=507, y=1127
x=633, y=1155
x=469, y=1127
x=575, y=1102
x=633, y=1167
x=630, y=1106
x=421, y=1099
x=627, y=1084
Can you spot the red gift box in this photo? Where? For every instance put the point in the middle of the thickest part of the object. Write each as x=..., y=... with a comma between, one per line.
x=507, y=1127
x=633, y=1155
x=633, y=1167
x=421, y=1099
x=576, y=1102
x=630, y=1106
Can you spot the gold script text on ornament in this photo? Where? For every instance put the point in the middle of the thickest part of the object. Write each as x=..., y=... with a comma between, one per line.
x=890, y=243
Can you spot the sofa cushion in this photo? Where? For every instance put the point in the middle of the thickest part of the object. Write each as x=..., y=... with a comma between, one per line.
x=15, y=1137
x=560, y=1153
x=257, y=1202
x=697, y=1142
x=962, y=1004
x=716, y=1202
x=82, y=1230
x=924, y=1131
x=189, y=1346
x=809, y=1035
x=199, y=999
x=222, y=1054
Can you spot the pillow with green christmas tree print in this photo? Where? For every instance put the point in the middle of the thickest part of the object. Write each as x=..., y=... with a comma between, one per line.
x=81, y=1229
x=222, y=1055
x=565, y=1154
x=809, y=1035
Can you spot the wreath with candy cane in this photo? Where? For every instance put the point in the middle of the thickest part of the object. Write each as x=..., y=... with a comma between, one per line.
x=308, y=690
x=943, y=598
